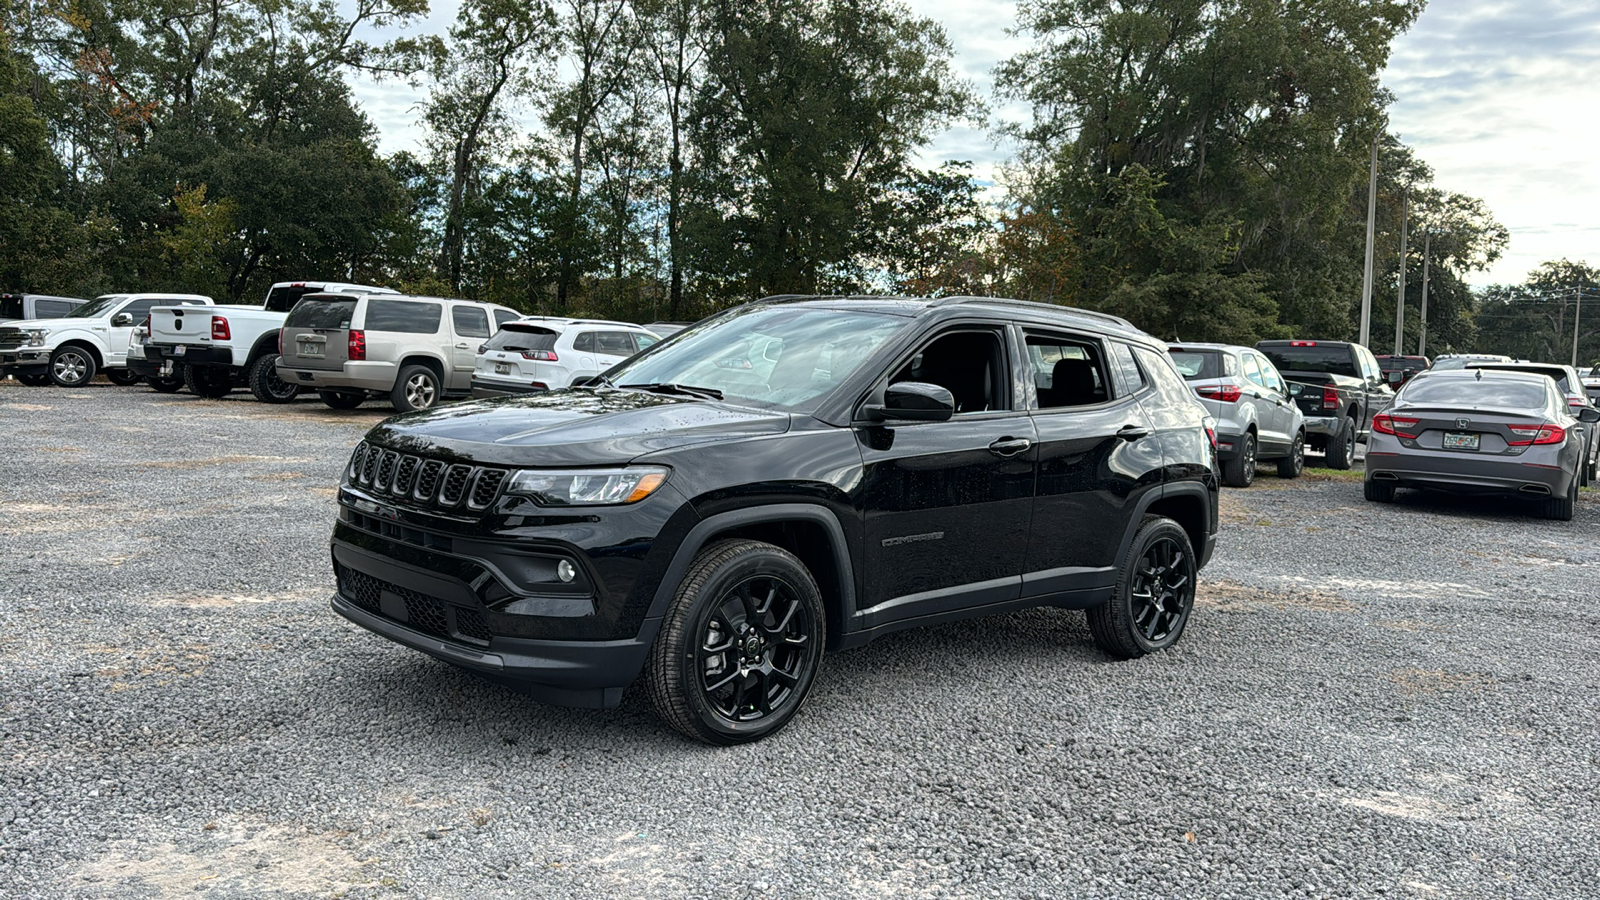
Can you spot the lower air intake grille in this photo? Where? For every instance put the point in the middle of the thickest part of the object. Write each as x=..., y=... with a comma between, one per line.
x=420, y=611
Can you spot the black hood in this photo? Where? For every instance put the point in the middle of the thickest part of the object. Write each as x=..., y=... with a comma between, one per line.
x=571, y=428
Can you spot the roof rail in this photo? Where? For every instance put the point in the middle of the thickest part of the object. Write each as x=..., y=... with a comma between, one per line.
x=787, y=298
x=1033, y=304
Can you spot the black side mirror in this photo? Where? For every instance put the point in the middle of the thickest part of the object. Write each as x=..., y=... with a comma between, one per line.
x=1589, y=415
x=914, y=401
x=122, y=320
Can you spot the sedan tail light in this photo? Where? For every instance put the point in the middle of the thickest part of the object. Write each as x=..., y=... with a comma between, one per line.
x=1227, y=393
x=1537, y=434
x=357, y=344
x=1399, y=426
x=541, y=355
x=219, y=329
x=1330, y=397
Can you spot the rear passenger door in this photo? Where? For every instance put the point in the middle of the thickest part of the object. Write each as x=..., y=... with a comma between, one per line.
x=471, y=326
x=610, y=348
x=1095, y=455
x=1263, y=398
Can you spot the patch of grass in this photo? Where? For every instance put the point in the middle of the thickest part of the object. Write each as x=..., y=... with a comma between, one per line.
x=1332, y=474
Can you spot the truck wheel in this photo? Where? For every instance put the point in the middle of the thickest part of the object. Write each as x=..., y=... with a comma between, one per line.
x=122, y=377
x=1240, y=471
x=1292, y=465
x=416, y=388
x=265, y=383
x=1376, y=492
x=166, y=384
x=213, y=382
x=740, y=644
x=35, y=380
x=336, y=399
x=72, y=366
x=1560, y=508
x=1154, y=593
x=1342, y=446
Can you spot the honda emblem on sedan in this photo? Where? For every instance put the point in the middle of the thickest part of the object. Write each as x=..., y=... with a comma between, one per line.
x=1463, y=423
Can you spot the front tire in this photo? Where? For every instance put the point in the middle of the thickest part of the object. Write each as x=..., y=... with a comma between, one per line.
x=211, y=382
x=336, y=399
x=122, y=377
x=740, y=644
x=1154, y=593
x=265, y=384
x=417, y=388
x=1342, y=446
x=72, y=366
x=1240, y=471
x=1295, y=463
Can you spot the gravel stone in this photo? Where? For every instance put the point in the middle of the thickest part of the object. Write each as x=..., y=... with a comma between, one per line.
x=1371, y=701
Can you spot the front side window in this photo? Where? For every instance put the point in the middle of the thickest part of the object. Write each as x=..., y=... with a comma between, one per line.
x=968, y=364
x=1252, y=371
x=404, y=316
x=470, y=322
x=1067, y=371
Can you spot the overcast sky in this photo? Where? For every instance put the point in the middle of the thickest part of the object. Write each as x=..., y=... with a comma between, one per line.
x=1500, y=97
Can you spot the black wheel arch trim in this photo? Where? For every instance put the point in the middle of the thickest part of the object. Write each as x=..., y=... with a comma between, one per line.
x=1182, y=489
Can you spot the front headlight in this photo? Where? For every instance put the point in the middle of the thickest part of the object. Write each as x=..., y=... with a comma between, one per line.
x=587, y=487
x=36, y=336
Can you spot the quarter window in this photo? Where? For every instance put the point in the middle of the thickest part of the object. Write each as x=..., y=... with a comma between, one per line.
x=1132, y=379
x=584, y=342
x=1163, y=377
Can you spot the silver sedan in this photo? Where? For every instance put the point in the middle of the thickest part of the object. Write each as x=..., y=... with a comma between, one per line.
x=1481, y=432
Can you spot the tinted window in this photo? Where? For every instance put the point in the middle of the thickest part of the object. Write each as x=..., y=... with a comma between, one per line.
x=1193, y=364
x=584, y=342
x=1517, y=394
x=283, y=299
x=317, y=312
x=1122, y=357
x=614, y=343
x=1067, y=372
x=51, y=309
x=969, y=364
x=502, y=316
x=11, y=307
x=516, y=337
x=1158, y=366
x=1333, y=359
x=405, y=316
x=141, y=308
x=470, y=321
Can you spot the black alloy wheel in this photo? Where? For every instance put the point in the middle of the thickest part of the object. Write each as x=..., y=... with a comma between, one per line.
x=740, y=645
x=122, y=377
x=265, y=383
x=1150, y=606
x=1240, y=471
x=1295, y=463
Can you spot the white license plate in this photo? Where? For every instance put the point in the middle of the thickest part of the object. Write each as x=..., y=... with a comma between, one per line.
x=1453, y=441
x=306, y=348
x=179, y=350
x=502, y=368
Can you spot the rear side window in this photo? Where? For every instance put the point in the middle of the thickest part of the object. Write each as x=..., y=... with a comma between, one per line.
x=1474, y=392
x=614, y=343
x=50, y=309
x=1197, y=364
x=321, y=313
x=404, y=316
x=469, y=321
x=1067, y=372
x=584, y=342
x=515, y=337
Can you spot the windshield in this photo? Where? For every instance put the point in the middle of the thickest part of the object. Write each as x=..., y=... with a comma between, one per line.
x=1335, y=359
x=97, y=307
x=1518, y=394
x=773, y=356
x=515, y=336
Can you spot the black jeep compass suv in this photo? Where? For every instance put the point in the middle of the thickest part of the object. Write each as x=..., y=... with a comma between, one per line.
x=792, y=474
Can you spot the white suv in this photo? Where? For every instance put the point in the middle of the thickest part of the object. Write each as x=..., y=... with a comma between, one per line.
x=414, y=350
x=543, y=353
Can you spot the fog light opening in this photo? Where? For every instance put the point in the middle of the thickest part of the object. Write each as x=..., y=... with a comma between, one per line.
x=566, y=572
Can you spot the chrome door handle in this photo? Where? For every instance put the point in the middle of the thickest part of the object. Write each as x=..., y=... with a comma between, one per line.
x=1007, y=447
x=1132, y=432
x=463, y=346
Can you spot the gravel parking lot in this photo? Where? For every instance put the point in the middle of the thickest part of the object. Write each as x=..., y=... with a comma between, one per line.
x=1370, y=701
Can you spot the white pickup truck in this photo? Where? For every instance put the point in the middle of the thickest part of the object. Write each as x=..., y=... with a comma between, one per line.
x=231, y=345
x=93, y=338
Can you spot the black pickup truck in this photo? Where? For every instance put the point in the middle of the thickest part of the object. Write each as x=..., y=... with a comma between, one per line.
x=1339, y=386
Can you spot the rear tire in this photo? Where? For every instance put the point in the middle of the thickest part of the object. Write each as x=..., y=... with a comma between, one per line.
x=211, y=382
x=1240, y=471
x=265, y=384
x=417, y=388
x=1377, y=493
x=36, y=380
x=336, y=399
x=72, y=366
x=740, y=644
x=1560, y=508
x=169, y=384
x=122, y=377
x=1295, y=463
x=1342, y=446
x=1154, y=593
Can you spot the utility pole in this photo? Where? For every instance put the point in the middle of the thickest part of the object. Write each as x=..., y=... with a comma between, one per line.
x=1372, y=217
x=1422, y=336
x=1400, y=301
x=1577, y=310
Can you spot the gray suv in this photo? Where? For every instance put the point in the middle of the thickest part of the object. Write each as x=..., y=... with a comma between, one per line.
x=1256, y=419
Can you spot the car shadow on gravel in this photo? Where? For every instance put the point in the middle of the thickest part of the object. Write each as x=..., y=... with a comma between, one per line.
x=1485, y=506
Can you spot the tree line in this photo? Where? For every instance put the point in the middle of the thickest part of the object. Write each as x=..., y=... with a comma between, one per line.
x=1197, y=166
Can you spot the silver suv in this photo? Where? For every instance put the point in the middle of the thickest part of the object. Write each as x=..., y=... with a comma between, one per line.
x=1256, y=419
x=414, y=350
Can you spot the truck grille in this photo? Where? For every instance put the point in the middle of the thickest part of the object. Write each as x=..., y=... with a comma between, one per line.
x=421, y=612
x=10, y=338
x=424, y=482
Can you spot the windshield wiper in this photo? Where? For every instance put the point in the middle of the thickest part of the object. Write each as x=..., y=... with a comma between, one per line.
x=687, y=390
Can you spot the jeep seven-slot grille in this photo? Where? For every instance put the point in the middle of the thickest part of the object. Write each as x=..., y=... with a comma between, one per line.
x=413, y=608
x=424, y=482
